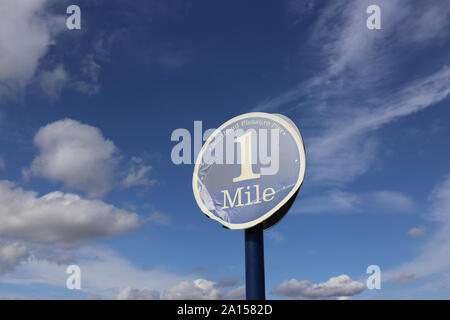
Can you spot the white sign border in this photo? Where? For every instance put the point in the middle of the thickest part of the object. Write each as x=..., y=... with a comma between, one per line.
x=300, y=146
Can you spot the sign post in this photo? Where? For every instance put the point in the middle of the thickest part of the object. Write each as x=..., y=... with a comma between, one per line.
x=254, y=263
x=247, y=176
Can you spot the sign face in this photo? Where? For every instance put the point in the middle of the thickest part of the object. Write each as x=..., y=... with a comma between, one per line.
x=250, y=169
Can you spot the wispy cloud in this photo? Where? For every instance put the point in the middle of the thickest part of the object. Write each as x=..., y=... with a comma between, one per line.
x=361, y=87
x=434, y=255
x=138, y=174
x=340, y=202
x=417, y=232
x=52, y=82
x=407, y=277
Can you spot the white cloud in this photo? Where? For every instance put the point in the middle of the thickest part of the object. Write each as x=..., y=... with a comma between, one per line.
x=417, y=232
x=52, y=82
x=80, y=156
x=107, y=275
x=138, y=174
x=342, y=285
x=59, y=218
x=430, y=23
x=199, y=289
x=104, y=273
x=236, y=294
x=138, y=294
x=137, y=177
x=26, y=31
x=77, y=155
x=341, y=35
x=11, y=254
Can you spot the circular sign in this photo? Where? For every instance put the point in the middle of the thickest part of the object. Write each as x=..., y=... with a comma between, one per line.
x=249, y=170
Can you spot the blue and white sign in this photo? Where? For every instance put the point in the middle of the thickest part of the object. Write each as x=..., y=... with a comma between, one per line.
x=248, y=169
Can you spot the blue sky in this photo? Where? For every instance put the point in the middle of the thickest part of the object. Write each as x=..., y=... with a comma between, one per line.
x=86, y=117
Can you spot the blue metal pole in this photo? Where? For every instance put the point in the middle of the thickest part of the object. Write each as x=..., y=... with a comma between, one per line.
x=255, y=288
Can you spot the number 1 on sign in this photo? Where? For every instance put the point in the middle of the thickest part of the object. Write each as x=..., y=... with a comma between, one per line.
x=247, y=173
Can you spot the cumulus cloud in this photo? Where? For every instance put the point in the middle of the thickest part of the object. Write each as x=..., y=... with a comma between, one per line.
x=105, y=273
x=138, y=294
x=199, y=289
x=59, y=218
x=342, y=285
x=77, y=155
x=11, y=254
x=26, y=32
x=29, y=30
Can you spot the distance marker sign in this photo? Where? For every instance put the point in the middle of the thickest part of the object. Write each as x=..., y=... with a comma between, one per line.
x=249, y=170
